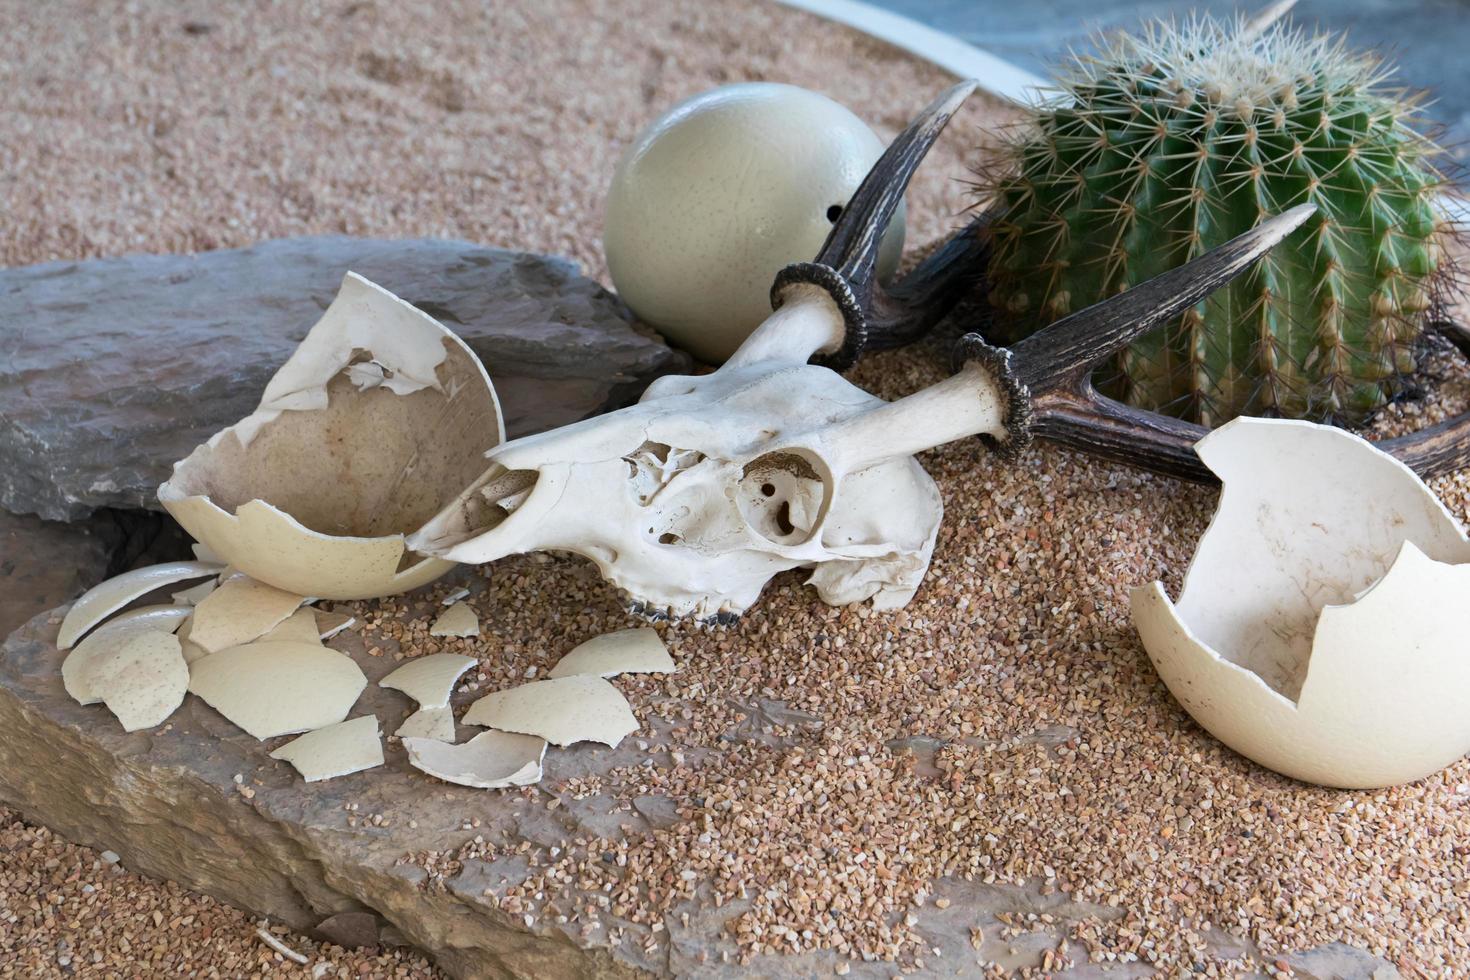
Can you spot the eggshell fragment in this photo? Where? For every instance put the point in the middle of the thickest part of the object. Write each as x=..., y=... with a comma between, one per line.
x=379, y=419
x=299, y=627
x=634, y=651
x=331, y=623
x=563, y=710
x=279, y=687
x=193, y=595
x=111, y=636
x=106, y=598
x=1322, y=626
x=435, y=723
x=458, y=620
x=239, y=611
x=143, y=681
x=429, y=680
x=490, y=760
x=336, y=750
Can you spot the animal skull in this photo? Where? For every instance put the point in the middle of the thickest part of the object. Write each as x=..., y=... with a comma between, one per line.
x=692, y=499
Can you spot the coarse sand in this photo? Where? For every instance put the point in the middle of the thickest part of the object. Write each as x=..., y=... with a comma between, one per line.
x=154, y=126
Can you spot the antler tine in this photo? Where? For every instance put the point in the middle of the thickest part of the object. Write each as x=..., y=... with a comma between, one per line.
x=846, y=266
x=1064, y=354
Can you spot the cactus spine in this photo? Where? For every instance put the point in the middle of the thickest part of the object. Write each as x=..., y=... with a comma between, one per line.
x=1173, y=141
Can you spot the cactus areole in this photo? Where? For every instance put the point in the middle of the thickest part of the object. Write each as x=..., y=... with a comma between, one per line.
x=1172, y=142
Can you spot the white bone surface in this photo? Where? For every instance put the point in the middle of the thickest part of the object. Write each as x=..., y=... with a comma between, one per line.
x=1322, y=628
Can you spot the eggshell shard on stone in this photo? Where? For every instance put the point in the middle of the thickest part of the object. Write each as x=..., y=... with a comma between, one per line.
x=563, y=710
x=193, y=595
x=490, y=760
x=111, y=636
x=379, y=419
x=336, y=750
x=143, y=681
x=278, y=688
x=1322, y=626
x=430, y=679
x=106, y=598
x=458, y=620
x=634, y=651
x=329, y=624
x=434, y=723
x=239, y=611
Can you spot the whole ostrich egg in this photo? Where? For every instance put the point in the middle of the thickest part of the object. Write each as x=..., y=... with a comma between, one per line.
x=722, y=191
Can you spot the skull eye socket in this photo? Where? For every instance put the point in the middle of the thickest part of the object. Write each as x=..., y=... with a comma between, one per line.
x=782, y=497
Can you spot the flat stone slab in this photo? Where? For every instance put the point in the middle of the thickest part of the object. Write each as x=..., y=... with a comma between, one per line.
x=394, y=855
x=113, y=369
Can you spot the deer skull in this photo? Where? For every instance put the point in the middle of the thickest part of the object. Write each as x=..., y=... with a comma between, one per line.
x=691, y=500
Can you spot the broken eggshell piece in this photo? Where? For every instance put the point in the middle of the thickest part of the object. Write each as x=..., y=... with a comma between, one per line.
x=434, y=723
x=490, y=760
x=562, y=711
x=1322, y=627
x=143, y=681
x=106, y=598
x=279, y=687
x=634, y=651
x=239, y=611
x=336, y=750
x=429, y=680
x=110, y=636
x=379, y=419
x=458, y=620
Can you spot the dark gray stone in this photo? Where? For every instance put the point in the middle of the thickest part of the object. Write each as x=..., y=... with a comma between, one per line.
x=112, y=369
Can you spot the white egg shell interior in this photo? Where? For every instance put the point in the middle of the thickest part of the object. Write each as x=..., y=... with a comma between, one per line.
x=563, y=710
x=1319, y=631
x=634, y=651
x=336, y=750
x=279, y=687
x=490, y=760
x=721, y=192
x=379, y=419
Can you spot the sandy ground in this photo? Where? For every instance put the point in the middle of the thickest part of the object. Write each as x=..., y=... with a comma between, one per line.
x=150, y=126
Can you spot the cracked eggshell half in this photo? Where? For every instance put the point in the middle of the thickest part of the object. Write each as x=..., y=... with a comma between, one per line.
x=376, y=422
x=111, y=636
x=106, y=598
x=429, y=680
x=1322, y=628
x=563, y=710
x=634, y=651
x=336, y=750
x=490, y=760
x=278, y=687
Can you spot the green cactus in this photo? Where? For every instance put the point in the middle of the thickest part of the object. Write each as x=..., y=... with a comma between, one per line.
x=1170, y=143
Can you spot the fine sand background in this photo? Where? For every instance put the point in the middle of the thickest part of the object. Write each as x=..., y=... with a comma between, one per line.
x=154, y=126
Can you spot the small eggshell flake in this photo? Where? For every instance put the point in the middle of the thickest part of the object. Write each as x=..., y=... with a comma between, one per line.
x=434, y=723
x=239, y=611
x=336, y=750
x=106, y=598
x=378, y=419
x=143, y=681
x=194, y=594
x=278, y=688
x=490, y=760
x=329, y=624
x=458, y=620
x=111, y=636
x=429, y=680
x=1321, y=628
x=634, y=651
x=562, y=710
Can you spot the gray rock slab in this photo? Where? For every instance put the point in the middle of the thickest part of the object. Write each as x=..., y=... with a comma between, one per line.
x=112, y=369
x=392, y=854
x=46, y=563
